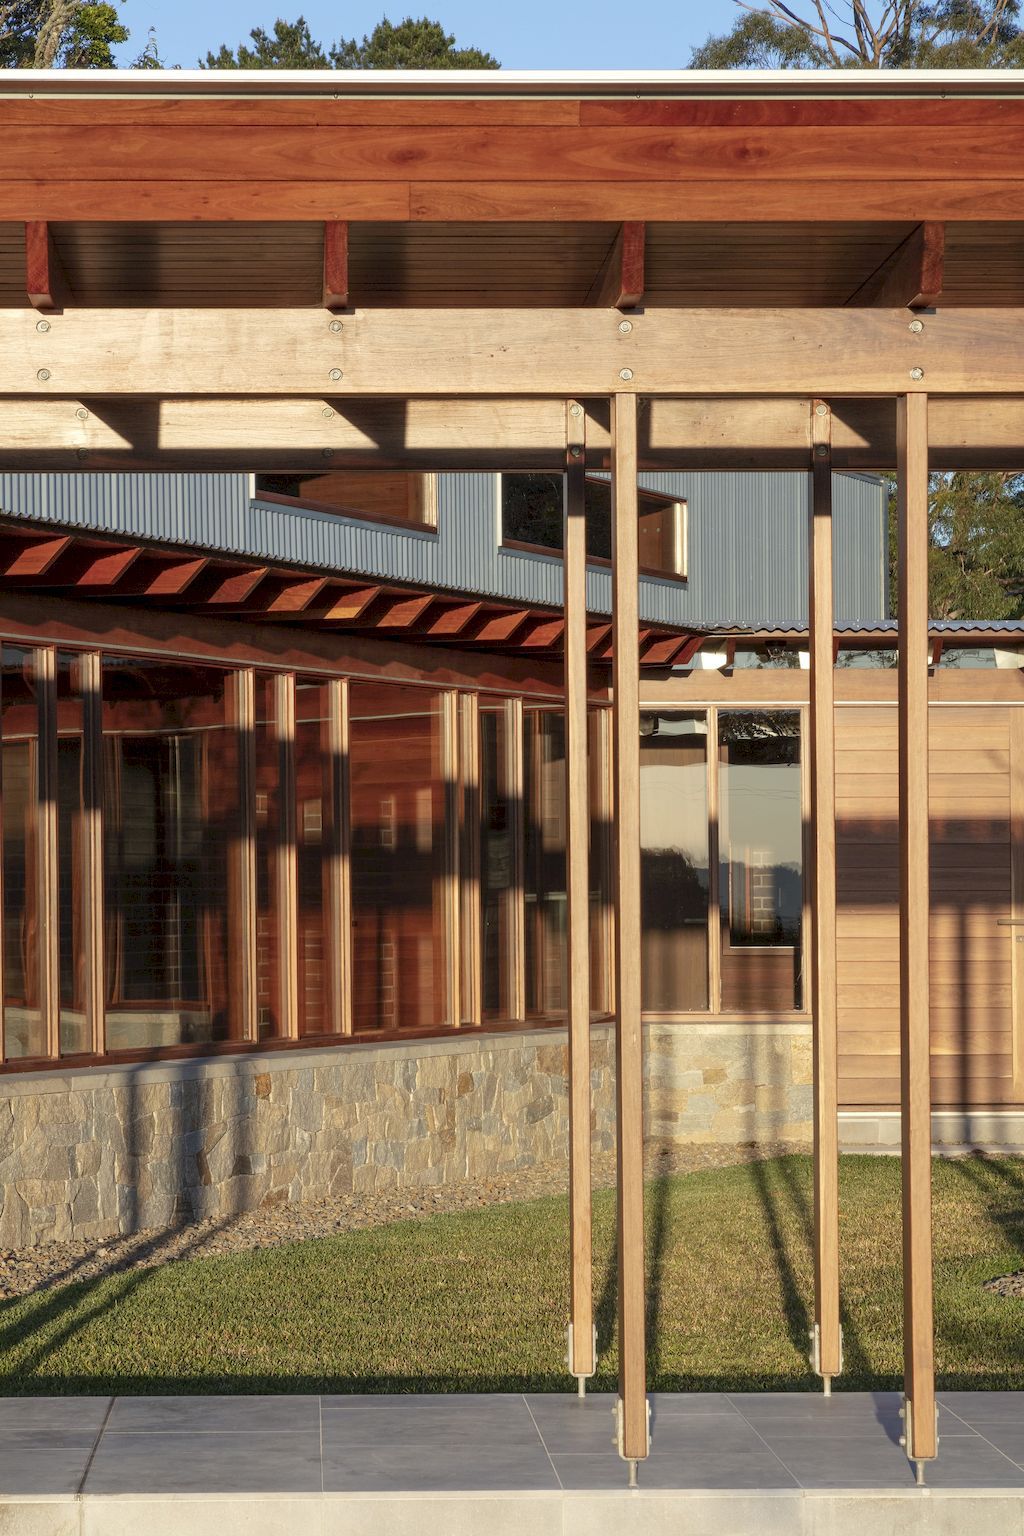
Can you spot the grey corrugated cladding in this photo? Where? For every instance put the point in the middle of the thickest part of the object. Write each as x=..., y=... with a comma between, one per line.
x=747, y=538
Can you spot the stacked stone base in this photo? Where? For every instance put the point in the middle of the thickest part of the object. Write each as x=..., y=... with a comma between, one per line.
x=92, y=1154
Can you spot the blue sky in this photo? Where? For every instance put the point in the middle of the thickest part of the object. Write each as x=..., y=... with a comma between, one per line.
x=527, y=34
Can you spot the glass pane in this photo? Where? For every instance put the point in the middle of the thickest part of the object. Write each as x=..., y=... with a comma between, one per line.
x=313, y=779
x=398, y=858
x=600, y=863
x=269, y=829
x=170, y=831
x=24, y=1030
x=761, y=858
x=399, y=497
x=71, y=894
x=497, y=864
x=544, y=817
x=674, y=860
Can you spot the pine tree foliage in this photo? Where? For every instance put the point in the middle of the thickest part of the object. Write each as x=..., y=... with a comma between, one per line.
x=408, y=44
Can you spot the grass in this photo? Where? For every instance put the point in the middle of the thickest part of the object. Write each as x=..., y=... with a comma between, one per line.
x=478, y=1301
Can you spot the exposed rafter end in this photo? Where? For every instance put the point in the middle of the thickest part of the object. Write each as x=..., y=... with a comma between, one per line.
x=911, y=276
x=46, y=281
x=620, y=283
x=336, y=295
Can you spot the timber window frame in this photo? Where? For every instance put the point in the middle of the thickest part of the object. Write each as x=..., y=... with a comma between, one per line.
x=421, y=488
x=650, y=502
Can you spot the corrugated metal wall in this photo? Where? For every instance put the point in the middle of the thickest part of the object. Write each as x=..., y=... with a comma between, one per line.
x=747, y=539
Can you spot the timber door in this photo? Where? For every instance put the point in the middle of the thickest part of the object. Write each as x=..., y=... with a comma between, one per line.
x=976, y=768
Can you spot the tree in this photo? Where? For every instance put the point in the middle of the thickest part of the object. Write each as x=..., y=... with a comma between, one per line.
x=69, y=34
x=859, y=34
x=976, y=554
x=410, y=44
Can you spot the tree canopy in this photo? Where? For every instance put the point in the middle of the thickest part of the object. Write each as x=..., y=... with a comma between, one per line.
x=976, y=553
x=860, y=34
x=69, y=34
x=408, y=44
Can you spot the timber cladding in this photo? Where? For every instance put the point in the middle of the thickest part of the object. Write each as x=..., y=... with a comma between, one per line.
x=976, y=771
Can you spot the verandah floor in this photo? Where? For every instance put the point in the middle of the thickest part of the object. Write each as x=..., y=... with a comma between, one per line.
x=477, y=1301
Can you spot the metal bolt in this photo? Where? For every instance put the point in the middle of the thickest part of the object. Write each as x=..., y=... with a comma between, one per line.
x=327, y=413
x=821, y=410
x=80, y=453
x=327, y=453
x=43, y=375
x=82, y=413
x=917, y=373
x=625, y=326
x=821, y=451
x=336, y=326
x=335, y=374
x=42, y=325
x=625, y=373
x=575, y=410
x=917, y=326
x=575, y=453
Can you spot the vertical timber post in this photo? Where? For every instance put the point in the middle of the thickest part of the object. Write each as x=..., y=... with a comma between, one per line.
x=633, y=1430
x=920, y=1437
x=577, y=800
x=91, y=690
x=827, y=1354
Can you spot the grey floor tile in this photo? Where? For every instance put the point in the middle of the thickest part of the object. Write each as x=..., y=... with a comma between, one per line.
x=983, y=1407
x=208, y=1462
x=341, y=1401
x=576, y=1425
x=1007, y=1438
x=398, y=1468
x=488, y=1422
x=42, y=1461
x=53, y=1413
x=971, y=1463
x=697, y=1404
x=671, y=1469
x=158, y=1415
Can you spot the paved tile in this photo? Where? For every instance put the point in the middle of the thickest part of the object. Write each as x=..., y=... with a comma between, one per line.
x=668, y=1468
x=487, y=1423
x=983, y=1407
x=398, y=1466
x=1007, y=1438
x=426, y=1403
x=691, y=1403
x=43, y=1461
x=54, y=1413
x=966, y=1462
x=158, y=1415
x=207, y=1462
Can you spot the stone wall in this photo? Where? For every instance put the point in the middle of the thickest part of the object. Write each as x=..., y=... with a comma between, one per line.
x=97, y=1152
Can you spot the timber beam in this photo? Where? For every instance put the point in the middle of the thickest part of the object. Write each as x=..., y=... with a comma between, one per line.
x=912, y=275
x=46, y=282
x=402, y=353
x=620, y=282
x=494, y=434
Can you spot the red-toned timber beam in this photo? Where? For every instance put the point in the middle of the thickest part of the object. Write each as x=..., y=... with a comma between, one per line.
x=46, y=282
x=912, y=275
x=336, y=295
x=620, y=282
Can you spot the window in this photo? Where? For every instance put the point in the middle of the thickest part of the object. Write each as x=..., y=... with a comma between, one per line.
x=398, y=858
x=674, y=860
x=544, y=817
x=24, y=1026
x=760, y=860
x=406, y=499
x=170, y=796
x=532, y=512
x=497, y=861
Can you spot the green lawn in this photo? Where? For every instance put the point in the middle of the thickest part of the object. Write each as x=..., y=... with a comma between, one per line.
x=478, y=1301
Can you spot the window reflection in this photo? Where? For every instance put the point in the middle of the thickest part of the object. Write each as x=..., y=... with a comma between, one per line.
x=170, y=809
x=760, y=880
x=497, y=861
x=674, y=860
x=398, y=858
x=314, y=834
x=71, y=893
x=544, y=817
x=24, y=1027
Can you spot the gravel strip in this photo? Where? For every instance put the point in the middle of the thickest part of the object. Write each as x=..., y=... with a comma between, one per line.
x=37, y=1269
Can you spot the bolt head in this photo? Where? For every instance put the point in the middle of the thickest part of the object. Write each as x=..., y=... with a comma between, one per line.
x=336, y=326
x=327, y=453
x=42, y=325
x=327, y=413
x=917, y=373
x=575, y=410
x=625, y=326
x=575, y=453
x=917, y=326
x=335, y=374
x=82, y=413
x=42, y=375
x=821, y=410
x=820, y=451
x=626, y=373
x=80, y=453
